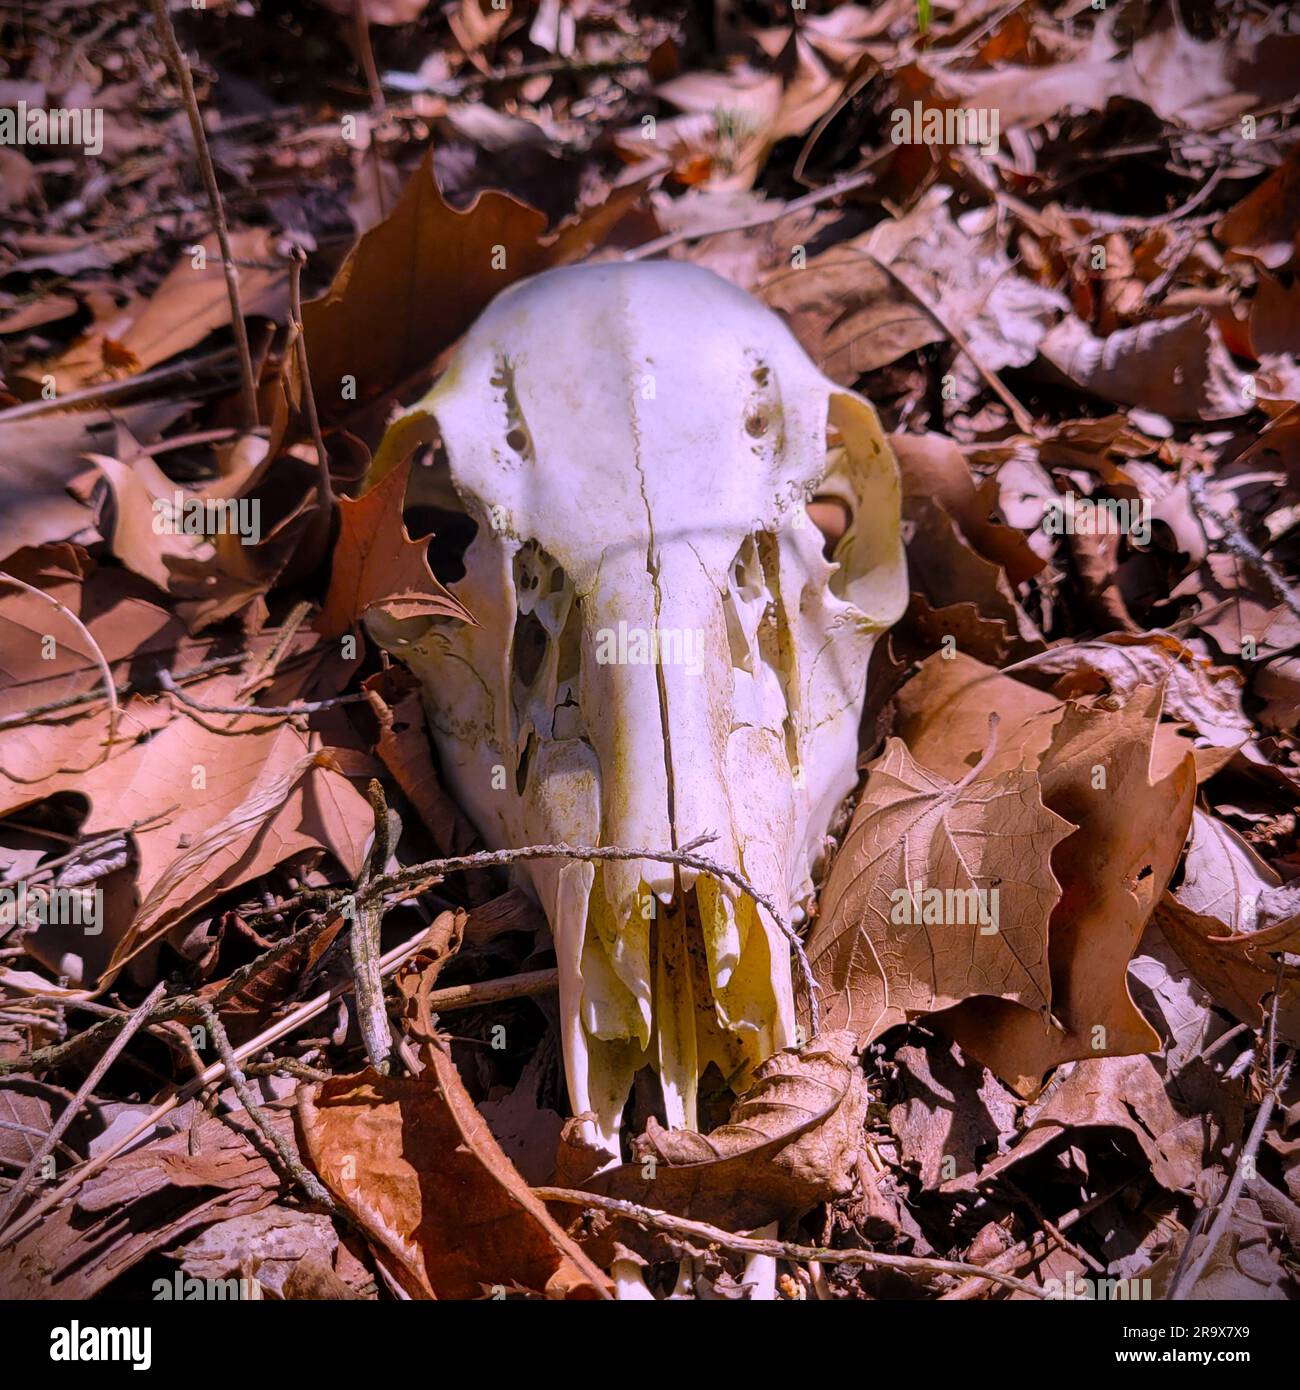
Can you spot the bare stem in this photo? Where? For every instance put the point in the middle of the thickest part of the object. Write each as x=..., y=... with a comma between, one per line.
x=181, y=75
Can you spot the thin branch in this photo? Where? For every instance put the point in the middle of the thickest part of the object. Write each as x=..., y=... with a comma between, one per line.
x=306, y=1011
x=762, y=219
x=1234, y=539
x=298, y=260
x=1024, y=421
x=689, y=1229
x=168, y=683
x=293, y=1165
x=105, y=671
x=86, y=1090
x=85, y=697
x=181, y=74
x=366, y=920
x=1187, y=1280
x=86, y=847
x=434, y=870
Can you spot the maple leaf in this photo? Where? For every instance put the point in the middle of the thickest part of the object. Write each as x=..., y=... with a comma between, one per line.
x=885, y=948
x=377, y=564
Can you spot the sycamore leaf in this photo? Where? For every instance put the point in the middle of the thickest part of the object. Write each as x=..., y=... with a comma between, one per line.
x=942, y=891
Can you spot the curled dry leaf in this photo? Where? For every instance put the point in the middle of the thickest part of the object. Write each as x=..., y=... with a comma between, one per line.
x=1178, y=367
x=922, y=851
x=447, y=1214
x=1206, y=696
x=792, y=1141
x=1213, y=920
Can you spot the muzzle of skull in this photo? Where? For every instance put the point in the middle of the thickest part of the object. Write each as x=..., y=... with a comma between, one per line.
x=663, y=650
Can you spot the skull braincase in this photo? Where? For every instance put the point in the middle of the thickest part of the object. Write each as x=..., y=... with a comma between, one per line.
x=662, y=649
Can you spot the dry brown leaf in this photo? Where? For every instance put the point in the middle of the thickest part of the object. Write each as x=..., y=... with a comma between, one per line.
x=885, y=947
x=446, y=1212
x=792, y=1141
x=1213, y=920
x=1263, y=225
x=377, y=565
x=1178, y=367
x=189, y=304
x=43, y=658
x=1125, y=1093
x=141, y=1203
x=1206, y=696
x=413, y=284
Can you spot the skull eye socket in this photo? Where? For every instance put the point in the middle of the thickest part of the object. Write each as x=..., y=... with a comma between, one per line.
x=832, y=517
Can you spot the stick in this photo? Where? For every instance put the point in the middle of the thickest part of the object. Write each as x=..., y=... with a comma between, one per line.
x=308, y=1181
x=299, y=259
x=436, y=869
x=808, y=200
x=168, y=683
x=181, y=73
x=302, y=1014
x=372, y=1016
x=752, y=1245
x=87, y=1088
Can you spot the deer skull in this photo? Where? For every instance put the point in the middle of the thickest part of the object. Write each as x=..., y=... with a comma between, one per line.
x=662, y=649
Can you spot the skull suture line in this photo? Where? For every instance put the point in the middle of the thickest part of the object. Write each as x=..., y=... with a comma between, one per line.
x=662, y=651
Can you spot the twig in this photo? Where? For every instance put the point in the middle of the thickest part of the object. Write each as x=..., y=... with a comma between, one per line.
x=86, y=846
x=526, y=985
x=366, y=921
x=112, y=391
x=549, y=67
x=308, y=1181
x=436, y=869
x=126, y=688
x=1187, y=1280
x=181, y=74
x=168, y=683
x=1235, y=540
x=87, y=1088
x=105, y=672
x=306, y=1011
x=1024, y=421
x=298, y=260
x=783, y=1250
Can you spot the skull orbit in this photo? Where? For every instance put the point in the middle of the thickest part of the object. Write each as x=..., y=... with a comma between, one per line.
x=662, y=649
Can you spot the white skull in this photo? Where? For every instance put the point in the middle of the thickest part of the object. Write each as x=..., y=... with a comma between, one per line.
x=662, y=648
